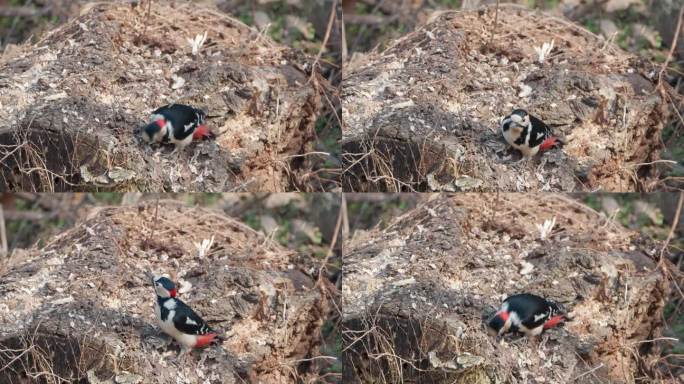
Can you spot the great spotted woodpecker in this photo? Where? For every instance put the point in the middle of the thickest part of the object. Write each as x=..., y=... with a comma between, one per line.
x=176, y=123
x=178, y=320
x=527, y=133
x=527, y=313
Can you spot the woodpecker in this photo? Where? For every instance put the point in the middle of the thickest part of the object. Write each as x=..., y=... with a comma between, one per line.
x=528, y=133
x=176, y=123
x=527, y=313
x=178, y=320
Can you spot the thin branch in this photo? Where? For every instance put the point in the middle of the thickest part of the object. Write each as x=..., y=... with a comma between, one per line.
x=3, y=235
x=496, y=21
x=673, y=46
x=336, y=234
x=147, y=20
x=675, y=223
x=333, y=13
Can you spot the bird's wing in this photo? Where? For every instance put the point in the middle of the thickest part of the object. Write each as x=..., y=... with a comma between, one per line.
x=533, y=310
x=180, y=115
x=189, y=322
x=538, y=122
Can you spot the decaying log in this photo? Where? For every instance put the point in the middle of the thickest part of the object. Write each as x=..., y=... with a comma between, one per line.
x=81, y=306
x=425, y=113
x=416, y=294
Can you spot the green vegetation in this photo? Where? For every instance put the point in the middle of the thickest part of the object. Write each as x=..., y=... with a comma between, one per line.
x=285, y=25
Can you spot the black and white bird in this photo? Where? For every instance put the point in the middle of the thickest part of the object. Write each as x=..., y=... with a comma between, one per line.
x=527, y=133
x=176, y=123
x=527, y=313
x=179, y=320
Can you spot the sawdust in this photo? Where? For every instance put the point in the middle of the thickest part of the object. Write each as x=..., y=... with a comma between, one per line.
x=425, y=114
x=84, y=302
x=72, y=103
x=416, y=293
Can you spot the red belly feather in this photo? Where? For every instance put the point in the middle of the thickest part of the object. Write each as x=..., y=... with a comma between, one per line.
x=201, y=132
x=205, y=340
x=552, y=322
x=549, y=143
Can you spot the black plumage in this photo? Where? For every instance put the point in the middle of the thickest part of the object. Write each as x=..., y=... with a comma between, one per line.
x=530, y=309
x=183, y=313
x=184, y=119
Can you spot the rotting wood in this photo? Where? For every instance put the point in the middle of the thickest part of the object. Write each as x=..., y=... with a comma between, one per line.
x=81, y=306
x=424, y=114
x=71, y=104
x=416, y=294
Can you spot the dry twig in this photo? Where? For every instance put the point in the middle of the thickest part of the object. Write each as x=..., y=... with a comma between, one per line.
x=670, y=54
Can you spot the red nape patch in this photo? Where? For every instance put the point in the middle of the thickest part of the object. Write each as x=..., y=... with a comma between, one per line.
x=504, y=316
x=172, y=292
x=552, y=322
x=549, y=143
x=201, y=132
x=161, y=123
x=205, y=340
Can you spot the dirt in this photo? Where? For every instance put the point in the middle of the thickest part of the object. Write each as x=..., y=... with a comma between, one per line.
x=72, y=104
x=81, y=307
x=424, y=115
x=417, y=293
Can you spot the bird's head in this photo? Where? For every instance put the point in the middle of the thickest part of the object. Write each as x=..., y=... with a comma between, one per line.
x=497, y=323
x=516, y=121
x=164, y=287
x=155, y=131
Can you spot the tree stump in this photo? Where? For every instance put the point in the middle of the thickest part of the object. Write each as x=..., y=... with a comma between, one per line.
x=81, y=307
x=416, y=295
x=424, y=115
x=72, y=104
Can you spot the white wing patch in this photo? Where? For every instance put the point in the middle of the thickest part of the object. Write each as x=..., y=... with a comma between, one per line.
x=190, y=321
x=170, y=304
x=540, y=135
x=188, y=126
x=539, y=317
x=513, y=319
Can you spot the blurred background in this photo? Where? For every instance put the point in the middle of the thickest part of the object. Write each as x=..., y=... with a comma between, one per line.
x=310, y=224
x=643, y=27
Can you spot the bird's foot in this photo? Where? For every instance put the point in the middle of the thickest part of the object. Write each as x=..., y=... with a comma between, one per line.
x=522, y=161
x=183, y=351
x=542, y=342
x=184, y=356
x=518, y=339
x=542, y=163
x=195, y=154
x=177, y=152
